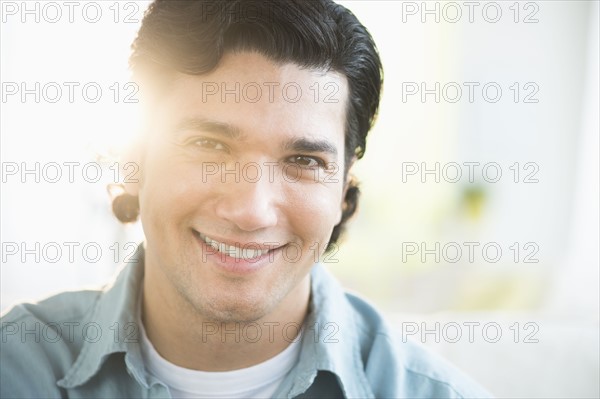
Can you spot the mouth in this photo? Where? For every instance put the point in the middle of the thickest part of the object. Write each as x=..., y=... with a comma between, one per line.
x=249, y=251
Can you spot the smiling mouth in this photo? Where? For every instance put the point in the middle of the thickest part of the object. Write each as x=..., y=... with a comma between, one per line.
x=247, y=251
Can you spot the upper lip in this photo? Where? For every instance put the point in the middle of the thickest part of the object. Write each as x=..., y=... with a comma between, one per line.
x=259, y=245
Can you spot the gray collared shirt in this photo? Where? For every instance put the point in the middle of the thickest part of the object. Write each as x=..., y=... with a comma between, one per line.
x=85, y=345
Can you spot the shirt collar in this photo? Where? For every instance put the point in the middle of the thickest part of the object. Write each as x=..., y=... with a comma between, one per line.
x=331, y=341
x=112, y=327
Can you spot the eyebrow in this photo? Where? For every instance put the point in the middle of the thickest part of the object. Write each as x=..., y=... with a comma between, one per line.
x=231, y=132
x=207, y=125
x=307, y=145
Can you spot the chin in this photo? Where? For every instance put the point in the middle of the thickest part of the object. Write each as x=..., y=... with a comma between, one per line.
x=229, y=311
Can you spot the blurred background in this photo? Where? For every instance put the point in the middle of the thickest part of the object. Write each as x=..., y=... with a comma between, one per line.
x=480, y=181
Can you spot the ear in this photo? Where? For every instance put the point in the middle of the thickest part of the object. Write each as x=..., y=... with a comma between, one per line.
x=347, y=179
x=131, y=168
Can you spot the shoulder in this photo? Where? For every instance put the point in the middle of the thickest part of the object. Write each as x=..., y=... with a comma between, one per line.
x=399, y=367
x=41, y=341
x=62, y=306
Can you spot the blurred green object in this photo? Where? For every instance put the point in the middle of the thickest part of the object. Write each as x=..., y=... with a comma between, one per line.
x=473, y=201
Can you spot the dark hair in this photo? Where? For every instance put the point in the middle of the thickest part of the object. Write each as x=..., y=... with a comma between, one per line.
x=191, y=36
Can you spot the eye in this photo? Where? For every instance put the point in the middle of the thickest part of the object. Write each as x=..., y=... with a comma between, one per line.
x=307, y=162
x=209, y=144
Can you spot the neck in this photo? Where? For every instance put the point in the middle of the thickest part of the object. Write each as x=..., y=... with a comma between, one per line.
x=185, y=338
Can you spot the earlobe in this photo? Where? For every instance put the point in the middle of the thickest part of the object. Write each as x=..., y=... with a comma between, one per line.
x=340, y=213
x=343, y=204
x=132, y=187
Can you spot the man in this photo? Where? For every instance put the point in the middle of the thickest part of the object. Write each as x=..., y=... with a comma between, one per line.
x=256, y=111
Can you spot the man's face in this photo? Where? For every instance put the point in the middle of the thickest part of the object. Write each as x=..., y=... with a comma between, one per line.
x=224, y=170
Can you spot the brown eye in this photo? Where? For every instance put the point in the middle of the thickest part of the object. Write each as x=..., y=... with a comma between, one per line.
x=306, y=162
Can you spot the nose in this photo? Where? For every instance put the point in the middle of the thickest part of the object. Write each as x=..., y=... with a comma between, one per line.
x=250, y=205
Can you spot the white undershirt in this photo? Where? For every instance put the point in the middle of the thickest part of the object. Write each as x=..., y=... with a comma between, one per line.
x=259, y=381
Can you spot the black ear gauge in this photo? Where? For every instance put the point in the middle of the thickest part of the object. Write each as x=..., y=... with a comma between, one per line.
x=126, y=207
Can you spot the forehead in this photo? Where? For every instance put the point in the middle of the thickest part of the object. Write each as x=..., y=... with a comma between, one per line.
x=257, y=95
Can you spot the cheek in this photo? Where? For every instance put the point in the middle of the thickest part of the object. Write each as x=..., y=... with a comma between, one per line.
x=167, y=188
x=314, y=211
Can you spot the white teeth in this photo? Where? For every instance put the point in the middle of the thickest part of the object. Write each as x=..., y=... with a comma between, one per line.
x=233, y=251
